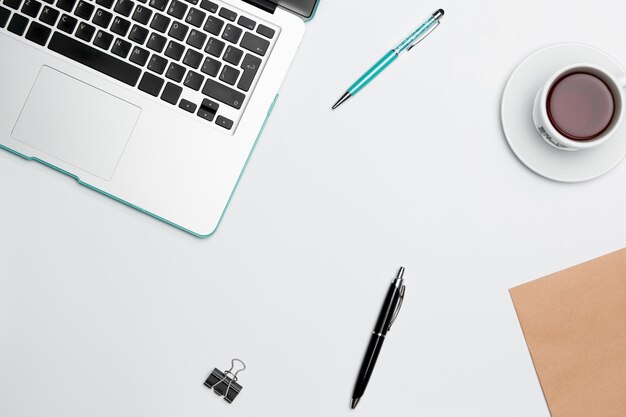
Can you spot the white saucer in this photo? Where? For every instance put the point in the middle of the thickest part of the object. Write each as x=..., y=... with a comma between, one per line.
x=519, y=129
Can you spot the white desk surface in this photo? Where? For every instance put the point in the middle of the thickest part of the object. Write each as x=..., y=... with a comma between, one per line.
x=106, y=312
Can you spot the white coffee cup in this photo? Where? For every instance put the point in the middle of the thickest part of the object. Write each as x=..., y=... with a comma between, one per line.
x=550, y=133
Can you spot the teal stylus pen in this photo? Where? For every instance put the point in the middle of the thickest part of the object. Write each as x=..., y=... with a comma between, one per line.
x=406, y=45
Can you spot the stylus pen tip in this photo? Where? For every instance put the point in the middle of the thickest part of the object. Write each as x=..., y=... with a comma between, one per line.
x=342, y=100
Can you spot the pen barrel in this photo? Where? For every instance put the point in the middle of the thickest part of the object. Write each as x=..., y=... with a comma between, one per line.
x=367, y=367
x=386, y=313
x=373, y=72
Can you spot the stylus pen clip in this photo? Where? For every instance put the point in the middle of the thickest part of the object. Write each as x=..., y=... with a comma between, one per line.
x=424, y=35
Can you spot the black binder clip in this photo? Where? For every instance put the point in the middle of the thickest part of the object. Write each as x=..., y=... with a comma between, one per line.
x=225, y=383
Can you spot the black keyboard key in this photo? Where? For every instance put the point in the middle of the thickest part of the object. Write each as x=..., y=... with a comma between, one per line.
x=255, y=44
x=85, y=31
x=209, y=5
x=196, y=39
x=18, y=24
x=151, y=84
x=31, y=8
x=142, y=14
x=232, y=33
x=157, y=64
x=93, y=58
x=14, y=4
x=4, y=16
x=222, y=93
x=121, y=48
x=120, y=26
x=210, y=105
x=178, y=31
x=102, y=18
x=228, y=14
x=174, y=50
x=177, y=9
x=195, y=17
x=105, y=3
x=211, y=67
x=194, y=2
x=160, y=5
x=160, y=22
x=187, y=106
x=67, y=23
x=175, y=72
x=214, y=25
x=206, y=115
x=156, y=42
x=124, y=7
x=265, y=31
x=233, y=55
x=84, y=10
x=138, y=34
x=192, y=58
x=171, y=93
x=103, y=40
x=250, y=66
x=251, y=63
x=208, y=109
x=38, y=33
x=194, y=80
x=224, y=122
x=214, y=47
x=247, y=23
x=229, y=75
x=139, y=56
x=66, y=5
x=49, y=16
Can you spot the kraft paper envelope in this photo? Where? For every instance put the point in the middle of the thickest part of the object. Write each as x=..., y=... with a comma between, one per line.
x=574, y=323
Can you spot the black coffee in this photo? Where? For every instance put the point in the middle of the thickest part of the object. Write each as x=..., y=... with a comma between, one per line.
x=580, y=106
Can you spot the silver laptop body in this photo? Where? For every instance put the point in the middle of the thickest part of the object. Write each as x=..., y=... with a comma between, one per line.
x=157, y=104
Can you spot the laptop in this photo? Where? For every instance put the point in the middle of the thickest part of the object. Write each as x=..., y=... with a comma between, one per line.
x=155, y=103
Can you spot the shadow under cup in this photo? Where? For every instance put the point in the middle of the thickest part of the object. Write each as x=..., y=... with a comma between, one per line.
x=584, y=104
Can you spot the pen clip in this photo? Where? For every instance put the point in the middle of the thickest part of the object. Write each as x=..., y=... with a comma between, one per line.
x=424, y=35
x=398, y=306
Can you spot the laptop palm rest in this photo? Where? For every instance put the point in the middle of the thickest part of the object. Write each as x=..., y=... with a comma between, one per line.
x=76, y=123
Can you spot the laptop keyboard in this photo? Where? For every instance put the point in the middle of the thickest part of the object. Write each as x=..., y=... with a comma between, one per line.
x=198, y=56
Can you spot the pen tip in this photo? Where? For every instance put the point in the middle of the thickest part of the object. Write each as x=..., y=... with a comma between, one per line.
x=439, y=14
x=401, y=272
x=354, y=402
x=342, y=100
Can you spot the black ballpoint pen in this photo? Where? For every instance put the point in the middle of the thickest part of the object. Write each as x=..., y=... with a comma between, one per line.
x=388, y=314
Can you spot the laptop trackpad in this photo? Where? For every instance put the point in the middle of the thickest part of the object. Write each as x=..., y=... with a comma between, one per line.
x=76, y=123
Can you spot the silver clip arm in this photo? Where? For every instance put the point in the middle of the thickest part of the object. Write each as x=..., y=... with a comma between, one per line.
x=397, y=311
x=424, y=35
